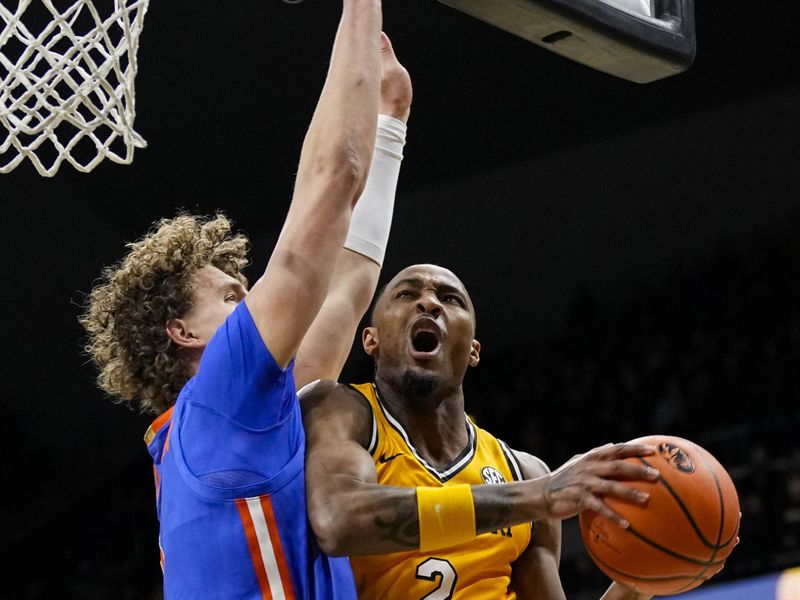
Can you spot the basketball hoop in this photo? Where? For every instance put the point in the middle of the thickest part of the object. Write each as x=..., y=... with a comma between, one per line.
x=67, y=82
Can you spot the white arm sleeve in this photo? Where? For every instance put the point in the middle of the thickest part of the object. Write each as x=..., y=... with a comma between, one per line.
x=372, y=216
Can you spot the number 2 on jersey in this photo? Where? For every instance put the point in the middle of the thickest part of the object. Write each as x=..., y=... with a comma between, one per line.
x=438, y=568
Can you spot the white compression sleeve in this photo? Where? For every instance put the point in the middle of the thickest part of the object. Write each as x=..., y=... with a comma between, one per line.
x=372, y=216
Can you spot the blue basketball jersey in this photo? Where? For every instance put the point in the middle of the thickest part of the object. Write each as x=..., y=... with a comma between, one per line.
x=230, y=481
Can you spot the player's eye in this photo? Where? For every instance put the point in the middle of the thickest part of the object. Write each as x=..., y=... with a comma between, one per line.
x=453, y=299
x=404, y=294
x=231, y=297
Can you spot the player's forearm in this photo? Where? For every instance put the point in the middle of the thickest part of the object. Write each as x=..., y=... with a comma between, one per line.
x=500, y=506
x=325, y=347
x=377, y=519
x=327, y=343
x=334, y=163
x=342, y=131
x=620, y=592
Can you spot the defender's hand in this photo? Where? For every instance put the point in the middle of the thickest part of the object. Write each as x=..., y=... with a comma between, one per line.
x=582, y=482
x=396, y=90
x=618, y=591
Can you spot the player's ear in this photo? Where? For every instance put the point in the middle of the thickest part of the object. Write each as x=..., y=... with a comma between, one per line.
x=178, y=331
x=369, y=339
x=475, y=353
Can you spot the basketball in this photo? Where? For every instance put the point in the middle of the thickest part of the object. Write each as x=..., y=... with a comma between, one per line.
x=682, y=536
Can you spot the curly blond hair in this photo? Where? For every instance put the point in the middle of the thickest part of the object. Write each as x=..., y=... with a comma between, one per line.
x=127, y=311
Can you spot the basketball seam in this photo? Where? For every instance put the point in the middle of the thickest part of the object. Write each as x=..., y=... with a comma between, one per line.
x=715, y=548
x=721, y=510
x=685, y=511
x=681, y=582
x=665, y=550
x=693, y=577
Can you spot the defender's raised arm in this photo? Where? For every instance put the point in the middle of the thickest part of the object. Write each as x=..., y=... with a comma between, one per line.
x=328, y=341
x=333, y=168
x=174, y=326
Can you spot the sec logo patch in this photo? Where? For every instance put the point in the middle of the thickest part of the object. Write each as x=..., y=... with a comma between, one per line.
x=492, y=475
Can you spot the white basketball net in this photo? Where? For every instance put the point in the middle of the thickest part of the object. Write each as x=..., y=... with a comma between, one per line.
x=66, y=82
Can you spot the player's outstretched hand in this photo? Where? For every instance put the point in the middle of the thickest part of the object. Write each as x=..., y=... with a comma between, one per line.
x=582, y=482
x=396, y=90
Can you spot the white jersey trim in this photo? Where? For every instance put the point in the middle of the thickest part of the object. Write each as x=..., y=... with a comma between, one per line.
x=513, y=461
x=373, y=436
x=373, y=442
x=454, y=468
x=265, y=546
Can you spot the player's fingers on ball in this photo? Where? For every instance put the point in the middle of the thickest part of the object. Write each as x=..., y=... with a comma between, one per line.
x=715, y=568
x=606, y=452
x=632, y=494
x=629, y=450
x=623, y=492
x=601, y=508
x=568, y=464
x=621, y=469
x=599, y=448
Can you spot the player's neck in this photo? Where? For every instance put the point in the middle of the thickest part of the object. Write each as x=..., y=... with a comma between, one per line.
x=194, y=364
x=435, y=424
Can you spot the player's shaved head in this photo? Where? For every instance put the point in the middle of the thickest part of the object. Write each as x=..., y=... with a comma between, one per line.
x=417, y=275
x=422, y=336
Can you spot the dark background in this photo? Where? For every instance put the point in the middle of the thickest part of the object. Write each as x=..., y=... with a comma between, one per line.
x=602, y=227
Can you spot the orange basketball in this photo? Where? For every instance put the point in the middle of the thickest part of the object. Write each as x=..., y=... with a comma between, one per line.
x=684, y=533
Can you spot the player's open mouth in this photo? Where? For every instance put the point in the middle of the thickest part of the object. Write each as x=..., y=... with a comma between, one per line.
x=426, y=338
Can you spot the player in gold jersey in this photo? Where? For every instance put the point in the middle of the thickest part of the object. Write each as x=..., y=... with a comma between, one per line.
x=427, y=504
x=483, y=564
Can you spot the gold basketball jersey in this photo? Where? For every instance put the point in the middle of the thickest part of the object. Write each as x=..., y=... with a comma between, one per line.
x=480, y=568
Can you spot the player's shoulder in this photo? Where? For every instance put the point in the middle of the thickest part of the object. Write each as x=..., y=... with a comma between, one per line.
x=333, y=412
x=327, y=388
x=325, y=392
x=530, y=465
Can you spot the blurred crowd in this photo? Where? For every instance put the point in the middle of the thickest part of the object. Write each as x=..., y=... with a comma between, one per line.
x=710, y=352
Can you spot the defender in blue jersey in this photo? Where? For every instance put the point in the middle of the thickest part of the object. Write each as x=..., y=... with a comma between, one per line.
x=174, y=326
x=231, y=495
